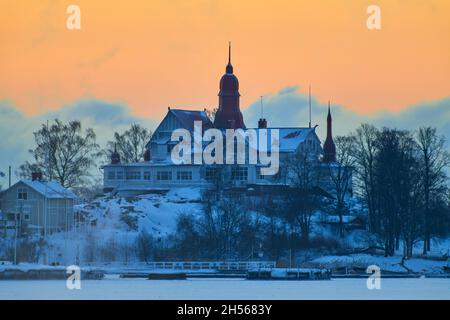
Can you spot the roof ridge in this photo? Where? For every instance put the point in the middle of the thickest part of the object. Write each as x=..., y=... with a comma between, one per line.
x=47, y=184
x=171, y=109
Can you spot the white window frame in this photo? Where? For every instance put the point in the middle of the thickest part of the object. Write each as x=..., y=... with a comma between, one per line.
x=185, y=175
x=133, y=175
x=167, y=175
x=21, y=192
x=211, y=174
x=239, y=173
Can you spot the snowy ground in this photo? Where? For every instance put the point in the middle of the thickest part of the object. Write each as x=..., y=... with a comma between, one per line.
x=117, y=221
x=210, y=289
x=391, y=264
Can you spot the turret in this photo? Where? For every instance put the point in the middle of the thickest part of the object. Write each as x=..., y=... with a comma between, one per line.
x=329, y=149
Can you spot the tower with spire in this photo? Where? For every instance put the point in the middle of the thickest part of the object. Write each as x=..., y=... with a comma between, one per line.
x=228, y=115
x=329, y=149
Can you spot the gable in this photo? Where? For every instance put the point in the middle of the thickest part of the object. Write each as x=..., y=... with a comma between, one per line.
x=164, y=130
x=178, y=119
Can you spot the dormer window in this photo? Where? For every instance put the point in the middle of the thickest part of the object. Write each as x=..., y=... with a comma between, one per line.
x=22, y=193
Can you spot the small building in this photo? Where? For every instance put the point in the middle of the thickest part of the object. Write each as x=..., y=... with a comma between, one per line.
x=36, y=207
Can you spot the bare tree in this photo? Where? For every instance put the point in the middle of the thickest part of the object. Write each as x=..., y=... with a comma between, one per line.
x=2, y=175
x=144, y=245
x=365, y=153
x=63, y=152
x=340, y=173
x=303, y=199
x=130, y=144
x=433, y=161
x=225, y=227
x=397, y=189
x=187, y=238
x=90, y=249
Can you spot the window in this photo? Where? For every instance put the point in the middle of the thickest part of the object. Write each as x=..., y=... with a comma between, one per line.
x=184, y=175
x=111, y=175
x=211, y=174
x=22, y=194
x=164, y=175
x=147, y=175
x=26, y=217
x=239, y=173
x=119, y=175
x=259, y=175
x=133, y=175
x=52, y=210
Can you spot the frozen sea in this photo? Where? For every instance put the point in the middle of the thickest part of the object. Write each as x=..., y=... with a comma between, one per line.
x=239, y=289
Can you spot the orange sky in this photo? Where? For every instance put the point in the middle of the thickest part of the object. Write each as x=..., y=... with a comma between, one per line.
x=151, y=54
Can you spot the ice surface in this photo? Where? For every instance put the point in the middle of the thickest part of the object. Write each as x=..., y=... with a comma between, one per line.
x=209, y=289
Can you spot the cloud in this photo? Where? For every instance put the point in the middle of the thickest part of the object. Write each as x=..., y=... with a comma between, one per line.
x=289, y=107
x=16, y=129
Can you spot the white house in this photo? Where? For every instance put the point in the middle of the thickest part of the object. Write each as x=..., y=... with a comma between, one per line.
x=159, y=171
x=35, y=206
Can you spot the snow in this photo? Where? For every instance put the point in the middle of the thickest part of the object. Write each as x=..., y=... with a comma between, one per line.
x=390, y=264
x=289, y=138
x=209, y=289
x=30, y=266
x=155, y=213
x=51, y=189
x=360, y=260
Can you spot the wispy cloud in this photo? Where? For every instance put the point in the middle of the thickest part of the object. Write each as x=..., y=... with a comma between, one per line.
x=16, y=129
x=289, y=107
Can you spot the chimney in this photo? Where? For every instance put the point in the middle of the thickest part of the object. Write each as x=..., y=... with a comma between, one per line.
x=262, y=123
x=36, y=176
x=147, y=155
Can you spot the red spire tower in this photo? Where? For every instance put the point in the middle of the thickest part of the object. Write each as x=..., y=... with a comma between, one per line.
x=228, y=115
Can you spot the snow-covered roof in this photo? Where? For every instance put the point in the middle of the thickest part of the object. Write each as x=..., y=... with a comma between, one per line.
x=187, y=118
x=289, y=138
x=50, y=189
